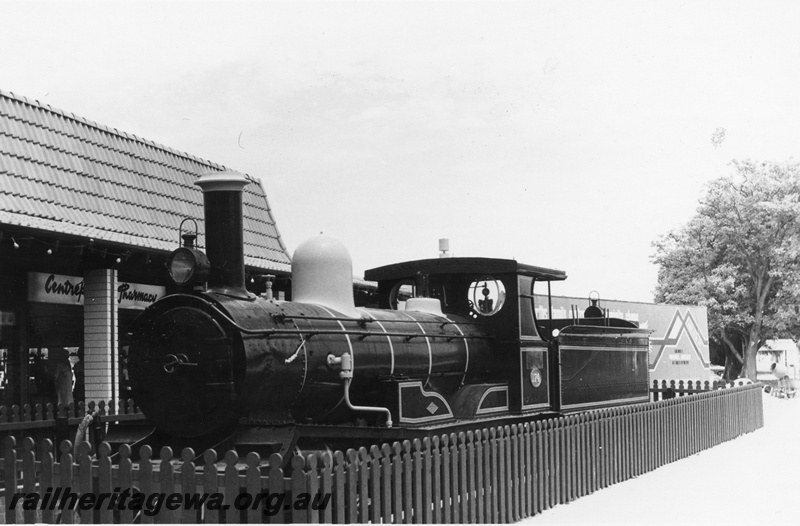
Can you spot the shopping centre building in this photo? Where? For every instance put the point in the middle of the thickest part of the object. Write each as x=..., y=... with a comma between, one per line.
x=88, y=215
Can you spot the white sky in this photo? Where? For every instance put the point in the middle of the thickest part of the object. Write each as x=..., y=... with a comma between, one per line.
x=562, y=134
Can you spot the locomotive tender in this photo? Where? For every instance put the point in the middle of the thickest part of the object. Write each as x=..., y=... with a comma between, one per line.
x=217, y=366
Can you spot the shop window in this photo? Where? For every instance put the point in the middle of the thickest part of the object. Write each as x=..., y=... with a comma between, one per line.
x=8, y=383
x=40, y=385
x=54, y=374
x=125, y=392
x=3, y=374
x=78, y=379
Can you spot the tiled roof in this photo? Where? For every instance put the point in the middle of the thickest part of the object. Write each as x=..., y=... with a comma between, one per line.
x=64, y=174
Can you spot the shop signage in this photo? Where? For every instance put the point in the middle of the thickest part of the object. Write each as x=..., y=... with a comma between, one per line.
x=55, y=288
x=68, y=290
x=137, y=296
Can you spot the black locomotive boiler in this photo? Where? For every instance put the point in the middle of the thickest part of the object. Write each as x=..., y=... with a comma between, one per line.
x=458, y=343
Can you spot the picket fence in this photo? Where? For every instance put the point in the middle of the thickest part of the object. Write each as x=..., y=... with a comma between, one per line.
x=61, y=421
x=500, y=474
x=666, y=389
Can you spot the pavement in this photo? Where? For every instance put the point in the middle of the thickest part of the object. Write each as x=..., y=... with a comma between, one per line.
x=753, y=479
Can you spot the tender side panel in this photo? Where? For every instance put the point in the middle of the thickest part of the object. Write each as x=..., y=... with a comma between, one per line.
x=598, y=370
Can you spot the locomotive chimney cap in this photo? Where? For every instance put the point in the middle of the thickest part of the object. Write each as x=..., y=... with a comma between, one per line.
x=227, y=181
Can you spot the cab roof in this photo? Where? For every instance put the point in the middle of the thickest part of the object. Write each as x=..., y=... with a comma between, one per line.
x=460, y=265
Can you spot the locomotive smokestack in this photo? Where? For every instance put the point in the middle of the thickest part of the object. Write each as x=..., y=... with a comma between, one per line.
x=222, y=197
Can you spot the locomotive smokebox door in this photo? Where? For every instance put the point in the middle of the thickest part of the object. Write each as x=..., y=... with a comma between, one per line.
x=181, y=372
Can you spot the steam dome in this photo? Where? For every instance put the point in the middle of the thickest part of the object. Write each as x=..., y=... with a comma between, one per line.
x=322, y=274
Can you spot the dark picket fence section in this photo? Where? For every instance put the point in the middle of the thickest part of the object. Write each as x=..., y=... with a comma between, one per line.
x=665, y=390
x=60, y=422
x=500, y=474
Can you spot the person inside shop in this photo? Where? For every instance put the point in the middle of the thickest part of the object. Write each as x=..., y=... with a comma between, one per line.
x=58, y=358
x=124, y=381
x=76, y=361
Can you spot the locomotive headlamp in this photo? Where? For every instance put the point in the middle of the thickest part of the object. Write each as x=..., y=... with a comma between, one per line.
x=188, y=266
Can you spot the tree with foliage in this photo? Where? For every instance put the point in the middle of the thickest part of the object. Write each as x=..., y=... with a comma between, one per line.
x=739, y=256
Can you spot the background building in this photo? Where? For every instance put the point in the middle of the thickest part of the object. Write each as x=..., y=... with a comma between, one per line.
x=678, y=343
x=88, y=215
x=782, y=352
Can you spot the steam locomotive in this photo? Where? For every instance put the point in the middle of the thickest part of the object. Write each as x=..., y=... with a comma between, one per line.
x=457, y=343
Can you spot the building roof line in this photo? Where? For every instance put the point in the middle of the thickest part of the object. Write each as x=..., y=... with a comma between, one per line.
x=108, y=129
x=68, y=173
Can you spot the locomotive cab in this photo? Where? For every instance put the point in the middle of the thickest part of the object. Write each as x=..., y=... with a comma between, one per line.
x=539, y=363
x=498, y=296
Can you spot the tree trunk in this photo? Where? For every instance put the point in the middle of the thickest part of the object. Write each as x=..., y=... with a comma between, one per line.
x=750, y=352
x=751, y=349
x=733, y=359
x=732, y=368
